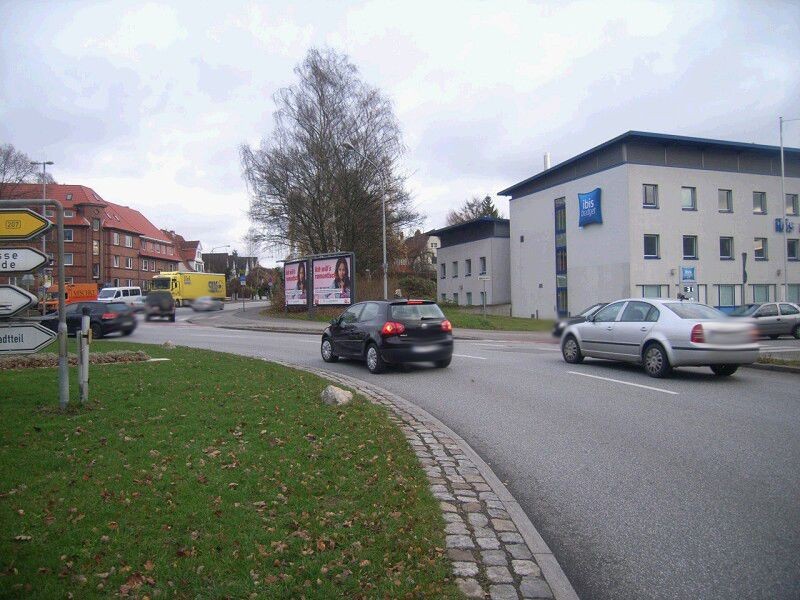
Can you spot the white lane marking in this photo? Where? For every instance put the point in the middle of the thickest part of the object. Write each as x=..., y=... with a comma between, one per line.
x=647, y=387
x=470, y=356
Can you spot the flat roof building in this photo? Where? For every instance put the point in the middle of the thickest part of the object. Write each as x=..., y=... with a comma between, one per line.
x=652, y=215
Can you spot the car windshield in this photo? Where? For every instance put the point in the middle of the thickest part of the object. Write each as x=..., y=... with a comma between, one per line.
x=106, y=293
x=690, y=310
x=415, y=312
x=588, y=311
x=117, y=306
x=744, y=310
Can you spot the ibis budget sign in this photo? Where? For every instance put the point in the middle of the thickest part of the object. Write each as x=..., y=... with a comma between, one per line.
x=21, y=224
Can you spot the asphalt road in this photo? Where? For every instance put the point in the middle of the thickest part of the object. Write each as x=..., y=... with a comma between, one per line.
x=687, y=487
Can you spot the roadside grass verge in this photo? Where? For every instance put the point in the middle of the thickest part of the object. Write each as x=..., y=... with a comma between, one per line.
x=209, y=475
x=771, y=360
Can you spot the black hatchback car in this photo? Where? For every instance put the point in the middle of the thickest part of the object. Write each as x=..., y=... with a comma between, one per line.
x=385, y=332
x=104, y=318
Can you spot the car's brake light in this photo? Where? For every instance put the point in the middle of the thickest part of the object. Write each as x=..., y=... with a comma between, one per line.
x=698, y=337
x=447, y=326
x=109, y=315
x=415, y=302
x=393, y=328
x=754, y=333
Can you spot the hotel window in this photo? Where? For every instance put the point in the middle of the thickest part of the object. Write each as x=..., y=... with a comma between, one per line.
x=469, y=298
x=726, y=248
x=95, y=247
x=792, y=209
x=443, y=270
x=68, y=235
x=651, y=291
x=67, y=258
x=727, y=295
x=455, y=297
x=760, y=292
x=483, y=298
x=128, y=262
x=791, y=249
x=794, y=293
x=690, y=247
x=68, y=214
x=95, y=224
x=468, y=268
x=455, y=269
x=444, y=297
x=689, y=198
x=482, y=264
x=650, y=245
x=115, y=260
x=650, y=195
x=760, y=249
x=129, y=241
x=725, y=200
x=115, y=238
x=759, y=203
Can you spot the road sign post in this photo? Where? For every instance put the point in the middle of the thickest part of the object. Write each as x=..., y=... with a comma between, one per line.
x=484, y=279
x=23, y=338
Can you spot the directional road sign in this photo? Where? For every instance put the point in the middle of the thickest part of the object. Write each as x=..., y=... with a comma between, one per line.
x=21, y=224
x=23, y=338
x=484, y=278
x=21, y=260
x=14, y=299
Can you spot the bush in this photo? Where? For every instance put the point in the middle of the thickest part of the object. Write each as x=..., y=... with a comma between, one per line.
x=413, y=286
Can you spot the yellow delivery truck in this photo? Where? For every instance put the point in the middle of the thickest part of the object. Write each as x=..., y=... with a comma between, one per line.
x=186, y=287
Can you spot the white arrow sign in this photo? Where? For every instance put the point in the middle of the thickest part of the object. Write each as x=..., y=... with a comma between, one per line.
x=21, y=260
x=23, y=338
x=14, y=299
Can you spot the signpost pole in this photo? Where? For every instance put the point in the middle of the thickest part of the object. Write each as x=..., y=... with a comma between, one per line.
x=84, y=355
x=63, y=372
x=484, y=298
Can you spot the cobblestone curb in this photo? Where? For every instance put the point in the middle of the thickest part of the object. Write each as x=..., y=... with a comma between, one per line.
x=495, y=550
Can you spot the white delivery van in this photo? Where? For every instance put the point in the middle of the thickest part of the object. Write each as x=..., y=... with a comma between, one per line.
x=127, y=294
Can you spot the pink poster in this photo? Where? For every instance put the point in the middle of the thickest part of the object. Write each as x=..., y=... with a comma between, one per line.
x=333, y=280
x=296, y=281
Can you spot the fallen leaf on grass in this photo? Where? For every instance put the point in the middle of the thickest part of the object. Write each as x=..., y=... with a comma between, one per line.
x=22, y=538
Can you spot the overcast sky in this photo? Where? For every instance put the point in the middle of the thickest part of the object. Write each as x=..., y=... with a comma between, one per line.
x=147, y=102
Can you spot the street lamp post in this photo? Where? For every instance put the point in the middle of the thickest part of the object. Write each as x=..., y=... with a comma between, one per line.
x=44, y=164
x=781, y=121
x=349, y=147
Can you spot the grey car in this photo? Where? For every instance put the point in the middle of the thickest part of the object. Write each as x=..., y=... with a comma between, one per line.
x=663, y=334
x=773, y=319
x=207, y=303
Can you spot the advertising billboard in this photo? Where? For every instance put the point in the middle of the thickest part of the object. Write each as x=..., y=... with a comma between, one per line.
x=333, y=280
x=295, y=276
x=589, y=208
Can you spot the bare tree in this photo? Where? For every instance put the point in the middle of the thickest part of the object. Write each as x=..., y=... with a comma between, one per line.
x=15, y=169
x=473, y=209
x=310, y=194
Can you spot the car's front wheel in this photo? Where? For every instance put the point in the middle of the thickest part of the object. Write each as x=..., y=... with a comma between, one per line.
x=656, y=363
x=97, y=331
x=571, y=351
x=443, y=364
x=724, y=370
x=375, y=363
x=796, y=332
x=327, y=351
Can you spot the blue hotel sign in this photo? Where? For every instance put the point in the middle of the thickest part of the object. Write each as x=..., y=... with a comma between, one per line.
x=589, y=208
x=688, y=274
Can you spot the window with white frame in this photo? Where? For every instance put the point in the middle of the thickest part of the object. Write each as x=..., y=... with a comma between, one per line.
x=651, y=245
x=115, y=238
x=68, y=235
x=95, y=247
x=67, y=258
x=760, y=292
x=726, y=248
x=128, y=262
x=793, y=295
x=129, y=241
x=650, y=195
x=690, y=247
x=144, y=264
x=468, y=268
x=791, y=249
x=469, y=298
x=95, y=224
x=727, y=295
x=651, y=291
x=68, y=214
x=689, y=198
x=96, y=271
x=69, y=280
x=115, y=260
x=725, y=200
x=455, y=269
x=792, y=208
x=442, y=271
x=759, y=203
x=760, y=248
x=482, y=265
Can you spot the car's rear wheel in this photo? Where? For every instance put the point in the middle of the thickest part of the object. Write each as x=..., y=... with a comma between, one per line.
x=97, y=331
x=796, y=332
x=774, y=337
x=724, y=370
x=375, y=363
x=172, y=317
x=127, y=332
x=326, y=349
x=571, y=351
x=443, y=364
x=656, y=363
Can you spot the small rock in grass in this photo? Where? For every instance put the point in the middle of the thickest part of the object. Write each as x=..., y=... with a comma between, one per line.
x=333, y=395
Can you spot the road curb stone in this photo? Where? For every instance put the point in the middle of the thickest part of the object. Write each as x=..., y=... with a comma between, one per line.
x=467, y=489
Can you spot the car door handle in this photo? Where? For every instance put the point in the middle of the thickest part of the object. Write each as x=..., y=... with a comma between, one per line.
x=643, y=329
x=609, y=328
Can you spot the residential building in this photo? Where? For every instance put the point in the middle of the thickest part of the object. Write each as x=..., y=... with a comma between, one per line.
x=662, y=214
x=190, y=252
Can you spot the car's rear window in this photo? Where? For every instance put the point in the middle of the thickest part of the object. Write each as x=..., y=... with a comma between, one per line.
x=690, y=310
x=415, y=312
x=117, y=306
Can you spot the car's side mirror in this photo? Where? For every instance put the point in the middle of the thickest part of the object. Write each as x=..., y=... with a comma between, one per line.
x=334, y=322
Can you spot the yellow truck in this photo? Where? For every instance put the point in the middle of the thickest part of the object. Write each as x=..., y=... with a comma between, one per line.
x=186, y=287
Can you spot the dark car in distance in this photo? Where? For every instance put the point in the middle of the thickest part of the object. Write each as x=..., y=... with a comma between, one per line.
x=104, y=318
x=383, y=332
x=159, y=303
x=772, y=319
x=560, y=325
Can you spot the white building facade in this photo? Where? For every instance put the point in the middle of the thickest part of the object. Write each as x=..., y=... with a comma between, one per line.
x=679, y=215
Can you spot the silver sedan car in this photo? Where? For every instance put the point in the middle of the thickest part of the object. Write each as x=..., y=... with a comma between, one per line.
x=207, y=303
x=661, y=335
x=773, y=318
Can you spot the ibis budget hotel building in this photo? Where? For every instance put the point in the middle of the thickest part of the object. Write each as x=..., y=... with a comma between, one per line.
x=654, y=215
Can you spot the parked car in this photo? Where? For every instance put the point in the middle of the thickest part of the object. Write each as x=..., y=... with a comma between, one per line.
x=127, y=294
x=159, y=303
x=773, y=319
x=390, y=332
x=661, y=335
x=207, y=303
x=561, y=324
x=104, y=318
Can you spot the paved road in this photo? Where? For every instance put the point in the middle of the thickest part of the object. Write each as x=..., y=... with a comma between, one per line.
x=681, y=488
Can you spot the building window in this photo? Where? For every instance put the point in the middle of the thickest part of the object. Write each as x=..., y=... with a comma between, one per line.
x=793, y=294
x=130, y=283
x=760, y=292
x=115, y=281
x=129, y=241
x=68, y=214
x=690, y=247
x=95, y=224
x=115, y=260
x=442, y=271
x=455, y=269
x=455, y=297
x=727, y=295
x=791, y=249
x=689, y=198
x=792, y=208
x=69, y=280
x=468, y=268
x=651, y=291
x=650, y=195
x=128, y=262
x=482, y=264
x=759, y=203
x=144, y=264
x=115, y=238
x=521, y=239
x=651, y=245
x=483, y=298
x=49, y=213
x=95, y=247
x=469, y=298
x=444, y=297
x=561, y=261
x=169, y=250
x=726, y=248
x=96, y=271
x=68, y=235
x=760, y=249
x=67, y=258
x=725, y=200
x=69, y=197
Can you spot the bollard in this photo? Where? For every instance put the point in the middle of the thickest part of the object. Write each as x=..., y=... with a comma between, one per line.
x=83, y=355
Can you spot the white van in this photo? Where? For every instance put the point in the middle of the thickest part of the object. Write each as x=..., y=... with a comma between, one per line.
x=120, y=294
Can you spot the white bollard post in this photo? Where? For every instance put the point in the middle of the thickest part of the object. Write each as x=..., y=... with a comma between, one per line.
x=83, y=367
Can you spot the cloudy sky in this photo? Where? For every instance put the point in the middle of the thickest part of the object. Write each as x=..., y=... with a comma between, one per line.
x=147, y=102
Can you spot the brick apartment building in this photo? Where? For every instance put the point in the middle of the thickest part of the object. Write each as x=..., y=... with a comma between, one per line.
x=105, y=243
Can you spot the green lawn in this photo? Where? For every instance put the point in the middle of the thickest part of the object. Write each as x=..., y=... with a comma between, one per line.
x=211, y=476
